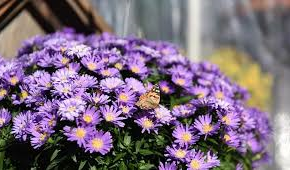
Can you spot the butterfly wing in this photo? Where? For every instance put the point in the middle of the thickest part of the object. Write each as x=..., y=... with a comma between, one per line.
x=150, y=99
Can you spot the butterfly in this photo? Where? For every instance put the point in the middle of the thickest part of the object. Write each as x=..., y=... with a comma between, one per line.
x=150, y=99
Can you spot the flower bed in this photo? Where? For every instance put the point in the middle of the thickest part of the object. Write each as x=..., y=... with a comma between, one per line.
x=104, y=102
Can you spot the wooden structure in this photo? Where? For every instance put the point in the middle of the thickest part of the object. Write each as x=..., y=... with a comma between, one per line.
x=52, y=15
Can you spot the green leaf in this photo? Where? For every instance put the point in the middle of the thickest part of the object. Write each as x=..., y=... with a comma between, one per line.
x=82, y=164
x=54, y=154
x=93, y=168
x=146, y=166
x=145, y=152
x=74, y=158
x=127, y=140
x=122, y=166
x=138, y=145
x=119, y=156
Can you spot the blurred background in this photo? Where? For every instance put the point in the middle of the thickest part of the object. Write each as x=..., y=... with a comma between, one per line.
x=248, y=39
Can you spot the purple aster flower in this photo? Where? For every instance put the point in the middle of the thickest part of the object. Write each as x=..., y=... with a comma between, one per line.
x=163, y=115
x=135, y=85
x=205, y=125
x=247, y=121
x=38, y=138
x=74, y=67
x=91, y=116
x=182, y=81
x=126, y=96
x=99, y=142
x=97, y=98
x=3, y=92
x=138, y=68
x=110, y=72
x=165, y=87
x=180, y=70
x=63, y=76
x=239, y=166
x=79, y=51
x=86, y=81
x=48, y=121
x=92, y=63
x=21, y=123
x=71, y=108
x=176, y=153
x=111, y=84
x=147, y=124
x=60, y=60
x=199, y=91
x=212, y=160
x=64, y=90
x=5, y=117
x=184, y=135
x=230, y=119
x=108, y=56
x=183, y=110
x=14, y=77
x=127, y=110
x=232, y=138
x=167, y=166
x=148, y=51
x=112, y=114
x=253, y=143
x=196, y=160
x=79, y=134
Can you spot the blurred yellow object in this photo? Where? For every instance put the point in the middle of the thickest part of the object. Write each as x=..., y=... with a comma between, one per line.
x=247, y=73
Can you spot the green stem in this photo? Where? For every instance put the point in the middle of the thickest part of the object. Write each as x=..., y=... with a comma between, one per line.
x=2, y=156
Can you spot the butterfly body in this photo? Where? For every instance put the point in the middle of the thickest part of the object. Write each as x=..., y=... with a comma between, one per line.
x=150, y=99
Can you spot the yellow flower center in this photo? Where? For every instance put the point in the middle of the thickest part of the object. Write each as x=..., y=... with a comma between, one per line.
x=180, y=153
x=219, y=95
x=194, y=164
x=201, y=95
x=80, y=132
x=180, y=81
x=65, y=90
x=105, y=60
x=207, y=128
x=123, y=97
x=2, y=120
x=96, y=99
x=24, y=95
x=106, y=73
x=92, y=66
x=3, y=92
x=97, y=143
x=135, y=69
x=165, y=89
x=88, y=118
x=185, y=112
x=48, y=84
x=119, y=66
x=226, y=120
x=227, y=137
x=43, y=136
x=51, y=122
x=109, y=117
x=71, y=108
x=186, y=137
x=125, y=109
x=147, y=123
x=14, y=80
x=64, y=60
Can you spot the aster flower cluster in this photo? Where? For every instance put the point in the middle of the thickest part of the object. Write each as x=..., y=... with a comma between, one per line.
x=73, y=97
